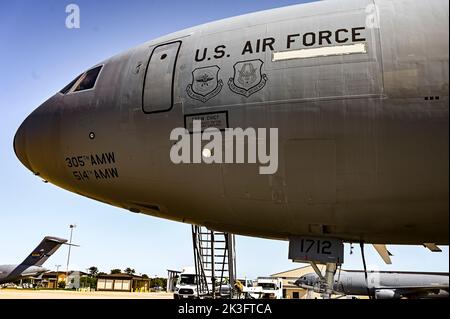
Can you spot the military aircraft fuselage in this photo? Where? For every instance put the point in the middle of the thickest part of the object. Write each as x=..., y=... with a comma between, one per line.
x=358, y=91
x=11, y=273
x=384, y=284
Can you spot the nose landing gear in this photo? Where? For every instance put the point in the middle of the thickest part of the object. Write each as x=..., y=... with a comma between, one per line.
x=315, y=251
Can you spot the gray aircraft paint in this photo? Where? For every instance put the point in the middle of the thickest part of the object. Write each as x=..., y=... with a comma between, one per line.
x=363, y=138
x=386, y=284
x=32, y=265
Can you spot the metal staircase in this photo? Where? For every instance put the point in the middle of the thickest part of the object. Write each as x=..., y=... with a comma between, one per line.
x=215, y=262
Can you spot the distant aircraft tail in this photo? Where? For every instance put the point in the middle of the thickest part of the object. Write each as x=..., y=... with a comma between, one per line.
x=43, y=251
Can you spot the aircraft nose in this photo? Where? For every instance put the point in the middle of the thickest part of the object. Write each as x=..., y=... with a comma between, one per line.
x=36, y=141
x=20, y=145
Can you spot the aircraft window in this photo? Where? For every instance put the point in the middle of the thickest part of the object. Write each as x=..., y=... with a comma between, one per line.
x=69, y=86
x=89, y=79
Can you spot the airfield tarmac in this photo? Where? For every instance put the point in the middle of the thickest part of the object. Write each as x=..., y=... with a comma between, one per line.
x=63, y=294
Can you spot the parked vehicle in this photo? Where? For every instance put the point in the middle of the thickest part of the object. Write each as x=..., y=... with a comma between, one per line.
x=266, y=288
x=186, y=286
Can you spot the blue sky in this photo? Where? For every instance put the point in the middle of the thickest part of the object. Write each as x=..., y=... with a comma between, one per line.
x=38, y=57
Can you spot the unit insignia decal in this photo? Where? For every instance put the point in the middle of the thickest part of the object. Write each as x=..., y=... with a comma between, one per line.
x=205, y=83
x=39, y=253
x=248, y=78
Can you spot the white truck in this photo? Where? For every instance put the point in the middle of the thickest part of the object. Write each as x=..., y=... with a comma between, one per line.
x=266, y=288
x=186, y=286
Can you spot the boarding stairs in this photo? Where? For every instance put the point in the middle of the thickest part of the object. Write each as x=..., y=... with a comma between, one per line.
x=215, y=262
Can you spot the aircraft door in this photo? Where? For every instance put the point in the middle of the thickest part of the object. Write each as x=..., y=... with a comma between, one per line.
x=157, y=95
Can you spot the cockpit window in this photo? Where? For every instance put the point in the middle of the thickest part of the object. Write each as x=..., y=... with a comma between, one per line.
x=69, y=86
x=84, y=81
x=88, y=80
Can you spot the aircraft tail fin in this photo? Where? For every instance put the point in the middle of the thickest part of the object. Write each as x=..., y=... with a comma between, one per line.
x=43, y=251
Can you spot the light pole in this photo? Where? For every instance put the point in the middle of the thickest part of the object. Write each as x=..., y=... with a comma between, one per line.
x=71, y=226
x=57, y=275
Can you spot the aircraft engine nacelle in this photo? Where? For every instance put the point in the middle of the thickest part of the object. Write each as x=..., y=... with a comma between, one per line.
x=386, y=294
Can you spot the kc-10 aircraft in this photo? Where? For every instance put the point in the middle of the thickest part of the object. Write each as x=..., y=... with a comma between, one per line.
x=346, y=103
x=384, y=284
x=32, y=265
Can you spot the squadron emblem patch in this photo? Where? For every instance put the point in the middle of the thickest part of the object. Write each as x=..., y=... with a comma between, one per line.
x=205, y=83
x=248, y=78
